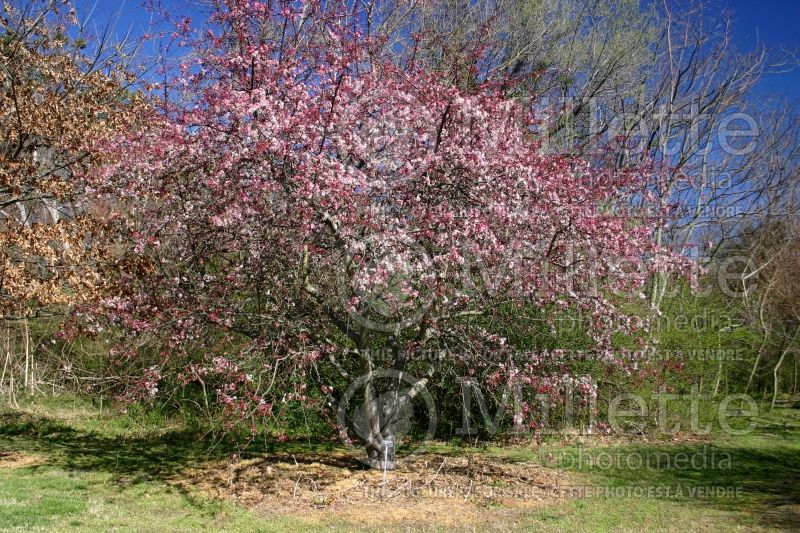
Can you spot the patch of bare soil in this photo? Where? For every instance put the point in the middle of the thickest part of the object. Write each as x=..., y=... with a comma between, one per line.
x=424, y=490
x=17, y=460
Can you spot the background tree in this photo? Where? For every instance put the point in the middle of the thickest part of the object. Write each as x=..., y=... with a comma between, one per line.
x=60, y=90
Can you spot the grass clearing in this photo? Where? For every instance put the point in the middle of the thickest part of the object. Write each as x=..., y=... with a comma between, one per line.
x=65, y=466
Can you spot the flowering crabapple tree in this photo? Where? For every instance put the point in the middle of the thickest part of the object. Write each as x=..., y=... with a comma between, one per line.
x=299, y=196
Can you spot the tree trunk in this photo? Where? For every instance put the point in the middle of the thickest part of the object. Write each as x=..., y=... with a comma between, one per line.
x=387, y=409
x=776, y=370
x=381, y=421
x=719, y=375
x=760, y=354
x=381, y=440
x=776, y=377
x=7, y=358
x=380, y=417
x=28, y=359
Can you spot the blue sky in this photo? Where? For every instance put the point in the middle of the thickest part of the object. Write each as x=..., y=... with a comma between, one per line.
x=775, y=23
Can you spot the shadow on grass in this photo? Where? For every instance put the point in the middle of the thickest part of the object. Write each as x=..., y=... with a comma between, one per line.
x=763, y=468
x=132, y=459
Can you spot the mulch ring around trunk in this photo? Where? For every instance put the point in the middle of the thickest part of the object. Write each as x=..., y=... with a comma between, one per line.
x=425, y=488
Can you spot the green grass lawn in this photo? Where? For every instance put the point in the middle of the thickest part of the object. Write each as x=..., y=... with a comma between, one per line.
x=762, y=469
x=68, y=467
x=106, y=473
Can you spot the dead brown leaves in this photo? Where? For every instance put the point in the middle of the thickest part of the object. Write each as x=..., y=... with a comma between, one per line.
x=56, y=103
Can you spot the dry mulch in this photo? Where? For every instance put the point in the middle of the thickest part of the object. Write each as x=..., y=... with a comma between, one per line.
x=424, y=489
